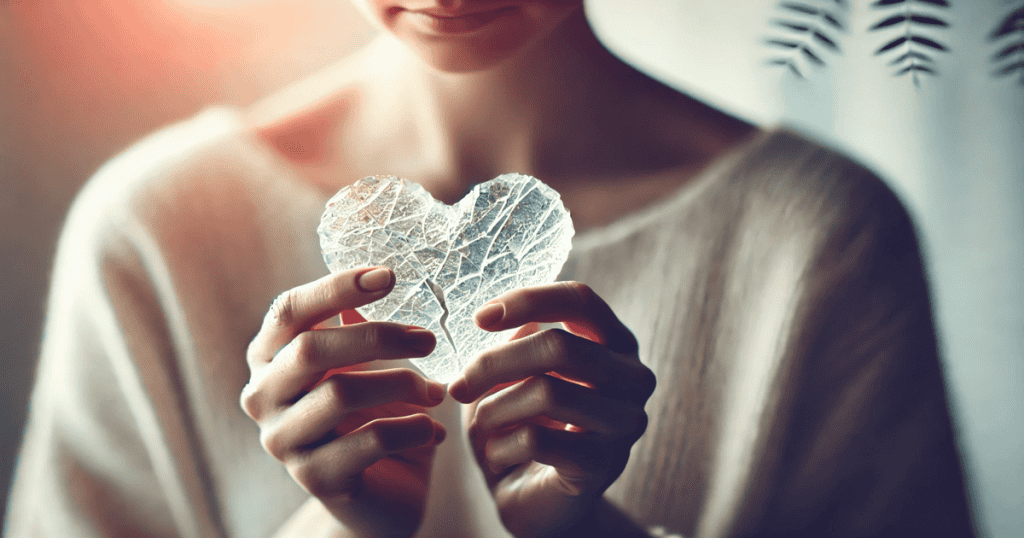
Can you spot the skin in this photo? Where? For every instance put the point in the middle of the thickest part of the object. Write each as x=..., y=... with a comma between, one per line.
x=552, y=414
x=357, y=440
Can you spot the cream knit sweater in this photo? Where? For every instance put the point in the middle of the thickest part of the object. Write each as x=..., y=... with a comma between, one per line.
x=779, y=298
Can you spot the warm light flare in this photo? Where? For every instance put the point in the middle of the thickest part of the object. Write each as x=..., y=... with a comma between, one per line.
x=218, y=4
x=152, y=55
x=87, y=77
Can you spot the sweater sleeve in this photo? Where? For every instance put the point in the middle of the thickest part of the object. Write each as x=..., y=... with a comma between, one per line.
x=102, y=456
x=110, y=448
x=862, y=443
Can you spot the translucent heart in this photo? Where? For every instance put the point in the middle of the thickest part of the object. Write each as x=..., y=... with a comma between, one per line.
x=508, y=233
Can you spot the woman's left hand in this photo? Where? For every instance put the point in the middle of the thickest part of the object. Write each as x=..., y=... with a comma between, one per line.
x=554, y=412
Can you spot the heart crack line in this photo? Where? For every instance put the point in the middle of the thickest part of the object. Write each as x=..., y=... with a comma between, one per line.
x=439, y=293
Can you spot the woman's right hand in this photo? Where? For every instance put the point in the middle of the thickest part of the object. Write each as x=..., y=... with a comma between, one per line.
x=359, y=441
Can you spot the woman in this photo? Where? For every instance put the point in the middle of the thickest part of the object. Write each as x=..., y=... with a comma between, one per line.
x=772, y=288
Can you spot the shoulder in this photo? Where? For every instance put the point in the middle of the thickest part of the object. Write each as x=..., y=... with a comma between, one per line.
x=792, y=180
x=153, y=168
x=224, y=154
x=206, y=172
x=785, y=201
x=180, y=197
x=861, y=333
x=856, y=241
x=228, y=180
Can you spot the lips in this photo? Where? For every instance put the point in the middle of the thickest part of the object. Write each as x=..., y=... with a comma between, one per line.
x=443, y=22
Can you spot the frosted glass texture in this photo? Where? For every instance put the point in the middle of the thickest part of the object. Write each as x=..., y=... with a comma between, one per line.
x=508, y=233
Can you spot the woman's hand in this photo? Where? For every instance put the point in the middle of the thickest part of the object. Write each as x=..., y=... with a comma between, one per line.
x=359, y=441
x=555, y=411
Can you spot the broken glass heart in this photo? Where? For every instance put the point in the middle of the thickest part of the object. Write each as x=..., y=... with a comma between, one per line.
x=507, y=233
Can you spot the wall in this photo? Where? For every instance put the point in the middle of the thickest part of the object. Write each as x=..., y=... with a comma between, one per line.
x=82, y=79
x=952, y=147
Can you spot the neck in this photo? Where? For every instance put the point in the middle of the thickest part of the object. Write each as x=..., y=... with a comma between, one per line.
x=513, y=117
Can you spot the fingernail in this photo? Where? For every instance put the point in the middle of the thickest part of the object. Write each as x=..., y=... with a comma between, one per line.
x=489, y=314
x=435, y=392
x=375, y=280
x=421, y=341
x=458, y=389
x=439, y=433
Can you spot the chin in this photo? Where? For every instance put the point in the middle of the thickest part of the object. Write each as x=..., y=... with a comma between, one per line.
x=474, y=38
x=468, y=58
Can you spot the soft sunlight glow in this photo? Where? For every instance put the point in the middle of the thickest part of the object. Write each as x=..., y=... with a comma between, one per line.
x=215, y=4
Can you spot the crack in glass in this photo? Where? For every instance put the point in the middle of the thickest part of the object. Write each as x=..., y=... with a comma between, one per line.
x=510, y=232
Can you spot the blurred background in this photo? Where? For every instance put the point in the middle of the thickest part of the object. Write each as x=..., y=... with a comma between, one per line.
x=81, y=79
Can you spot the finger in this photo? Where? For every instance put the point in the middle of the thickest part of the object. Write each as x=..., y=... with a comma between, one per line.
x=321, y=414
x=555, y=350
x=570, y=302
x=526, y=330
x=577, y=460
x=562, y=401
x=303, y=363
x=299, y=309
x=336, y=468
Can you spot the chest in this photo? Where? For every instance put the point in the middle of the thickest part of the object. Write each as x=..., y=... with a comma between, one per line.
x=668, y=289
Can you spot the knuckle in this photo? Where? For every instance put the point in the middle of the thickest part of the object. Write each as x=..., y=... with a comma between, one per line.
x=555, y=344
x=251, y=401
x=648, y=382
x=312, y=478
x=527, y=438
x=642, y=419
x=410, y=382
x=252, y=352
x=476, y=431
x=543, y=390
x=282, y=309
x=481, y=416
x=572, y=480
x=486, y=364
x=631, y=345
x=273, y=444
x=304, y=350
x=370, y=335
x=376, y=438
x=330, y=289
x=628, y=421
x=487, y=412
x=583, y=293
x=335, y=392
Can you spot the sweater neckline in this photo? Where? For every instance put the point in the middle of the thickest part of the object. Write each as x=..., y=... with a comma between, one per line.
x=673, y=201
x=596, y=236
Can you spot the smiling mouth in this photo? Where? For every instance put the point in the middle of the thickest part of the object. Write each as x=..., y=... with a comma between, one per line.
x=458, y=24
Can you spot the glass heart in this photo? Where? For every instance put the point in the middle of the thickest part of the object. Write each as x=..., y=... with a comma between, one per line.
x=510, y=232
